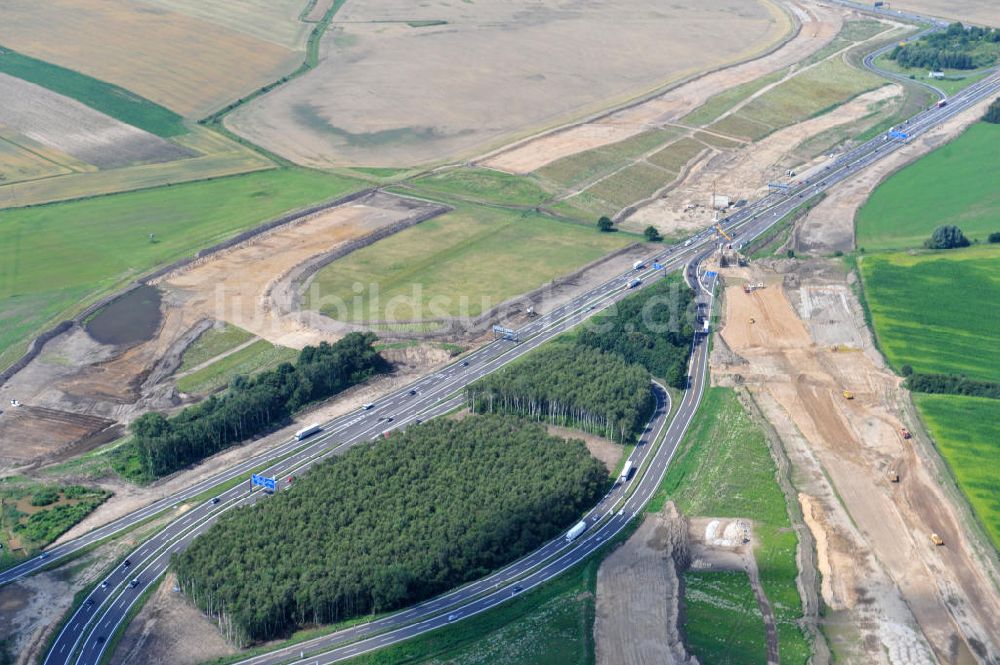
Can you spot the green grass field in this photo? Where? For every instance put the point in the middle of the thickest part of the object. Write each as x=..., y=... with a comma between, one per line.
x=936, y=311
x=98, y=95
x=955, y=184
x=459, y=264
x=485, y=185
x=722, y=624
x=54, y=259
x=258, y=356
x=211, y=343
x=965, y=430
x=718, y=104
x=806, y=95
x=724, y=469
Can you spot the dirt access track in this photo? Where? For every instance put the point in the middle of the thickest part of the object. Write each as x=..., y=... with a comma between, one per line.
x=819, y=24
x=797, y=344
x=386, y=91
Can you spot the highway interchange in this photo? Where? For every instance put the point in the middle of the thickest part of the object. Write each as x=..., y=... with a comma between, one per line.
x=85, y=636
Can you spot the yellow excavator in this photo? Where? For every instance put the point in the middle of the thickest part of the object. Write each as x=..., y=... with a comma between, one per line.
x=722, y=232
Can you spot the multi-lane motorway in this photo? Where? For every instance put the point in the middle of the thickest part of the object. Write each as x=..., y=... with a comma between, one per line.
x=84, y=637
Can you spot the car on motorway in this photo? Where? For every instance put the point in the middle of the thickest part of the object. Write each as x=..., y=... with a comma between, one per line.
x=126, y=563
x=465, y=363
x=367, y=407
x=90, y=601
x=452, y=617
x=104, y=584
x=516, y=590
x=412, y=391
x=134, y=583
x=101, y=639
x=215, y=500
x=43, y=555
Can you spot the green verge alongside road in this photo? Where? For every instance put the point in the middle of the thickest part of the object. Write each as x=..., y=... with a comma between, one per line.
x=723, y=468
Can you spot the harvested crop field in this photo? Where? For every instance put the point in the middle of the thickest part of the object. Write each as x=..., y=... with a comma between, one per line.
x=820, y=24
x=978, y=12
x=187, y=64
x=526, y=65
x=68, y=126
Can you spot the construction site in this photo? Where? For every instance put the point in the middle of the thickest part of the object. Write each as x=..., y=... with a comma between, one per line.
x=902, y=577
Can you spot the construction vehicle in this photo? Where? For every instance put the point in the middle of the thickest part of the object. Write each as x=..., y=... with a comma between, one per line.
x=722, y=232
x=752, y=320
x=848, y=394
x=905, y=432
x=892, y=475
x=937, y=540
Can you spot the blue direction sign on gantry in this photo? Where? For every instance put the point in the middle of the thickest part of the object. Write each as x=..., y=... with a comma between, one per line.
x=657, y=266
x=263, y=481
x=902, y=136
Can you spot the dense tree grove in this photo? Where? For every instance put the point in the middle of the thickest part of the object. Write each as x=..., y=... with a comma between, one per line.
x=954, y=48
x=253, y=404
x=949, y=384
x=947, y=237
x=993, y=112
x=653, y=328
x=570, y=385
x=389, y=524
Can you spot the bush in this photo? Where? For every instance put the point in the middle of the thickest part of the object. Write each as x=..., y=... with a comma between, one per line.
x=946, y=237
x=652, y=235
x=993, y=112
x=45, y=497
x=605, y=225
x=790, y=253
x=995, y=237
x=906, y=370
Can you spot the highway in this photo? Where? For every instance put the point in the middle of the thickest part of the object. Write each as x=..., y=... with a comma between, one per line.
x=84, y=637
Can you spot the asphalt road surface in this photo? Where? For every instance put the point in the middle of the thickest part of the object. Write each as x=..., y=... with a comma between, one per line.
x=85, y=636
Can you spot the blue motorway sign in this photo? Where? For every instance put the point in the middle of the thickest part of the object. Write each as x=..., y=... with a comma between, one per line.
x=710, y=275
x=899, y=135
x=264, y=481
x=657, y=266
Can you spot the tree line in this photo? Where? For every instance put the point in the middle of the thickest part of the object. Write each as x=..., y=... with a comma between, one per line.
x=957, y=47
x=570, y=385
x=653, y=328
x=389, y=524
x=252, y=405
x=950, y=384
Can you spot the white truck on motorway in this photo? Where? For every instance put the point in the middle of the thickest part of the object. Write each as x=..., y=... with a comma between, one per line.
x=638, y=265
x=576, y=531
x=307, y=431
x=626, y=472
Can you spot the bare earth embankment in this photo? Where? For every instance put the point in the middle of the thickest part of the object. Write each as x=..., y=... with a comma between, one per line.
x=386, y=91
x=978, y=12
x=894, y=596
